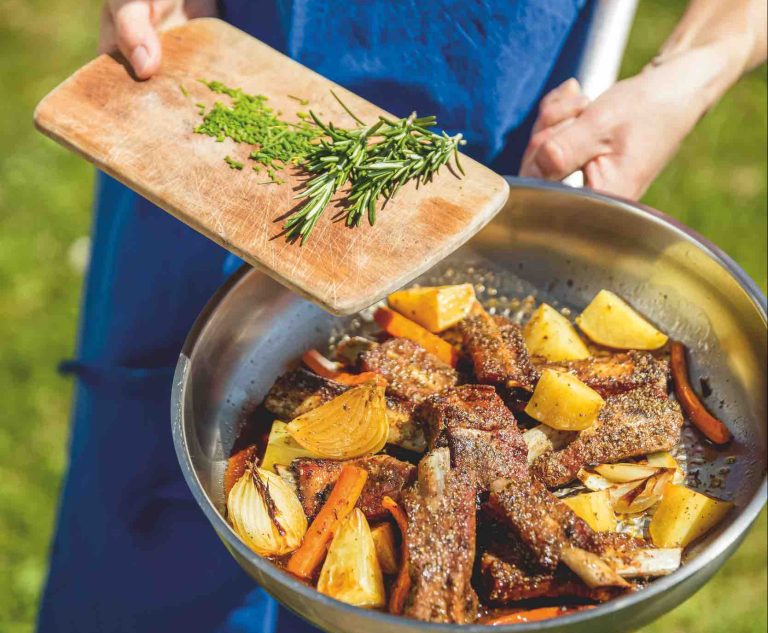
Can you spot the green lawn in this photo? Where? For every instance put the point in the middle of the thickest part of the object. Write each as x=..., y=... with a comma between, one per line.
x=717, y=185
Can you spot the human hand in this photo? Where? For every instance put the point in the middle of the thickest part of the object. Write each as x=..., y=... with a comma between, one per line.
x=623, y=139
x=131, y=26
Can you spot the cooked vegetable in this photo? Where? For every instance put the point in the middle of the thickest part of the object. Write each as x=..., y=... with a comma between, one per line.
x=624, y=472
x=550, y=335
x=608, y=320
x=592, y=569
x=645, y=495
x=593, y=481
x=595, y=508
x=531, y=615
x=563, y=402
x=646, y=563
x=542, y=439
x=351, y=571
x=437, y=307
x=685, y=515
x=328, y=369
x=386, y=549
x=266, y=513
x=351, y=425
x=702, y=419
x=282, y=449
x=402, y=584
x=396, y=324
x=665, y=460
x=346, y=491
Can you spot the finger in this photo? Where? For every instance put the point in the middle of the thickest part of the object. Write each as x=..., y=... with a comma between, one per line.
x=569, y=88
x=571, y=147
x=557, y=110
x=537, y=140
x=136, y=36
x=611, y=174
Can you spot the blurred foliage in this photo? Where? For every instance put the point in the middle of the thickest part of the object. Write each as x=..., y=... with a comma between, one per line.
x=717, y=184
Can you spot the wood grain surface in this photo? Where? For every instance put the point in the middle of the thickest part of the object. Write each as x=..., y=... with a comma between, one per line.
x=140, y=132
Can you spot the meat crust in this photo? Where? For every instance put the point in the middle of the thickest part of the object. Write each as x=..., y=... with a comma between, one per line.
x=412, y=373
x=441, y=542
x=614, y=373
x=497, y=351
x=631, y=424
x=539, y=520
x=387, y=476
x=299, y=391
x=481, y=433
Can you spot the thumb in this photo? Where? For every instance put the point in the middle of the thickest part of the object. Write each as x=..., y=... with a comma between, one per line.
x=136, y=36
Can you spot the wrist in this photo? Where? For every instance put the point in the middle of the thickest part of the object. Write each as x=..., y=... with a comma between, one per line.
x=701, y=75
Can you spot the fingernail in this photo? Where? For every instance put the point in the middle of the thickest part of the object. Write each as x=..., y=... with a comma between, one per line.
x=140, y=59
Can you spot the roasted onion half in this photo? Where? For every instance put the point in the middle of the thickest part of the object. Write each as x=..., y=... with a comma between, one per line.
x=266, y=513
x=351, y=425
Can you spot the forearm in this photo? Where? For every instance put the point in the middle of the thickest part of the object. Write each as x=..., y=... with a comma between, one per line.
x=713, y=45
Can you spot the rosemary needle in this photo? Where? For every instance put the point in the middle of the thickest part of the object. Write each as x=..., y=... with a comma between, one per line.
x=376, y=160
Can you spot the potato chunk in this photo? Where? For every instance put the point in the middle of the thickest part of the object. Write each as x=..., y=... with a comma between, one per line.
x=386, y=549
x=550, y=335
x=563, y=402
x=435, y=308
x=281, y=449
x=595, y=508
x=608, y=320
x=685, y=515
x=351, y=571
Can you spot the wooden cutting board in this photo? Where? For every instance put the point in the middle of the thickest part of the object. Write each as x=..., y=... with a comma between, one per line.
x=140, y=132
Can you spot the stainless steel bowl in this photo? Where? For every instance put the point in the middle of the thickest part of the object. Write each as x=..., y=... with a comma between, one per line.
x=569, y=244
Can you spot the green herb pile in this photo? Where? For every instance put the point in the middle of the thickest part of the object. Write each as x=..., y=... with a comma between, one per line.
x=375, y=160
x=249, y=120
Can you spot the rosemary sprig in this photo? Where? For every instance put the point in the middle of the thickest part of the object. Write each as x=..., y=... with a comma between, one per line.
x=377, y=160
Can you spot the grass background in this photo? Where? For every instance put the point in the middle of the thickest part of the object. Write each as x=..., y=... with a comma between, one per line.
x=717, y=184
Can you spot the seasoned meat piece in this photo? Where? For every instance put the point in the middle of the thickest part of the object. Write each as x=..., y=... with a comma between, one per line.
x=299, y=391
x=503, y=582
x=405, y=429
x=543, y=523
x=631, y=424
x=611, y=374
x=480, y=431
x=440, y=540
x=386, y=477
x=497, y=350
x=412, y=373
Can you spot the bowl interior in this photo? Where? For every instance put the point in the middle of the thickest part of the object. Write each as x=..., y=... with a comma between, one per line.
x=561, y=245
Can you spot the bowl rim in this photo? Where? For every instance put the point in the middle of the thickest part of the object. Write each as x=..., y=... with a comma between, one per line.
x=719, y=546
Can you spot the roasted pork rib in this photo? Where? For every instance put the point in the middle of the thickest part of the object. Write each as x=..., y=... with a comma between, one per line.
x=441, y=542
x=412, y=373
x=613, y=373
x=299, y=391
x=631, y=424
x=497, y=350
x=386, y=477
x=481, y=433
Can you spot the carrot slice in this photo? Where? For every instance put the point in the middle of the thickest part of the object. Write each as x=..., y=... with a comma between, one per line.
x=702, y=419
x=531, y=615
x=328, y=369
x=305, y=560
x=397, y=325
x=402, y=584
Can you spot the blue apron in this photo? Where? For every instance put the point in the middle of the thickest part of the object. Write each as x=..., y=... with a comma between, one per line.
x=132, y=551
